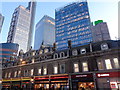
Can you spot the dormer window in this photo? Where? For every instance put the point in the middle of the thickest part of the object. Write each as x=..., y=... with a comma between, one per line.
x=41, y=51
x=83, y=51
x=62, y=54
x=55, y=55
x=104, y=46
x=46, y=50
x=74, y=52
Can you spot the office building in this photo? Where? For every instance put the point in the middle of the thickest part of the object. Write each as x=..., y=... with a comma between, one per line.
x=72, y=23
x=8, y=53
x=45, y=32
x=100, y=31
x=21, y=27
x=1, y=21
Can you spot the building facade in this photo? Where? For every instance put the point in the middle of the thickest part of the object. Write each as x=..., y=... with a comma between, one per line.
x=8, y=54
x=21, y=27
x=72, y=22
x=93, y=66
x=100, y=31
x=45, y=32
x=1, y=21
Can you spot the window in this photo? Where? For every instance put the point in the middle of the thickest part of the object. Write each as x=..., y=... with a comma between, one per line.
x=32, y=70
x=62, y=68
x=9, y=75
x=39, y=71
x=85, y=66
x=19, y=73
x=62, y=54
x=33, y=60
x=15, y=74
x=83, y=51
x=5, y=75
x=55, y=69
x=116, y=63
x=55, y=55
x=74, y=52
x=41, y=51
x=100, y=65
x=33, y=53
x=76, y=67
x=108, y=64
x=104, y=46
x=46, y=50
x=45, y=71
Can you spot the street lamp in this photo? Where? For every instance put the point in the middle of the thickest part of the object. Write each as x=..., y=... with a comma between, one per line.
x=31, y=82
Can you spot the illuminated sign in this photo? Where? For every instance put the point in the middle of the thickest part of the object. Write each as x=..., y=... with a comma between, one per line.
x=103, y=75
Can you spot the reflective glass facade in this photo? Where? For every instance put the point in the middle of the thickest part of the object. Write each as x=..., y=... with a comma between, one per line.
x=8, y=51
x=21, y=26
x=73, y=23
x=44, y=32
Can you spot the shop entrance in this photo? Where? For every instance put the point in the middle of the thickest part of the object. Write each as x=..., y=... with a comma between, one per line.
x=85, y=85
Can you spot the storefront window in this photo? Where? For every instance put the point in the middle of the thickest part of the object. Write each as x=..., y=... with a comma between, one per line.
x=116, y=63
x=108, y=64
x=76, y=67
x=45, y=71
x=55, y=69
x=100, y=65
x=85, y=66
x=19, y=72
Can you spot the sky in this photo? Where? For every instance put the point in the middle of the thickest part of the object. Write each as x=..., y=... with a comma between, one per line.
x=106, y=11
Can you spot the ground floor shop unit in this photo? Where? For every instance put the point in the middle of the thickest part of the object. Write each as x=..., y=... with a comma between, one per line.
x=78, y=81
x=108, y=80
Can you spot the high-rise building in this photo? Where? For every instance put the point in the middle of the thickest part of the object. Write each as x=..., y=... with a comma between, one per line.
x=21, y=27
x=1, y=21
x=45, y=32
x=72, y=23
x=100, y=31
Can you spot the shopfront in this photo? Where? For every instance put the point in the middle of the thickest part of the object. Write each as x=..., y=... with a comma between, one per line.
x=56, y=82
x=82, y=81
x=109, y=81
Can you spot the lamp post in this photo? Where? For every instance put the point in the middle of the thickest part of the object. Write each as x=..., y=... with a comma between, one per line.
x=31, y=83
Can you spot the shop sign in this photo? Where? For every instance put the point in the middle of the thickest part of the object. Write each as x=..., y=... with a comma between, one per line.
x=109, y=74
x=59, y=77
x=82, y=76
x=41, y=78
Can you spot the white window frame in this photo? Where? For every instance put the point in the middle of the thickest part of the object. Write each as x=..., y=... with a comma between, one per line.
x=108, y=64
x=55, y=69
x=76, y=68
x=85, y=68
x=116, y=63
x=104, y=48
x=45, y=70
x=32, y=72
x=81, y=50
x=39, y=71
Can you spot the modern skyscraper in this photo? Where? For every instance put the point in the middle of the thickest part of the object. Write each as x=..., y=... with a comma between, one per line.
x=1, y=21
x=72, y=23
x=45, y=32
x=21, y=27
x=100, y=31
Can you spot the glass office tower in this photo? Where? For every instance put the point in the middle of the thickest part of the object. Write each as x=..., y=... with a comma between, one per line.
x=72, y=23
x=21, y=26
x=1, y=21
x=45, y=32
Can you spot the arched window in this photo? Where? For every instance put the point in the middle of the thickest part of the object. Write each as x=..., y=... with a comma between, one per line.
x=55, y=55
x=82, y=50
x=104, y=46
x=62, y=54
x=74, y=52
